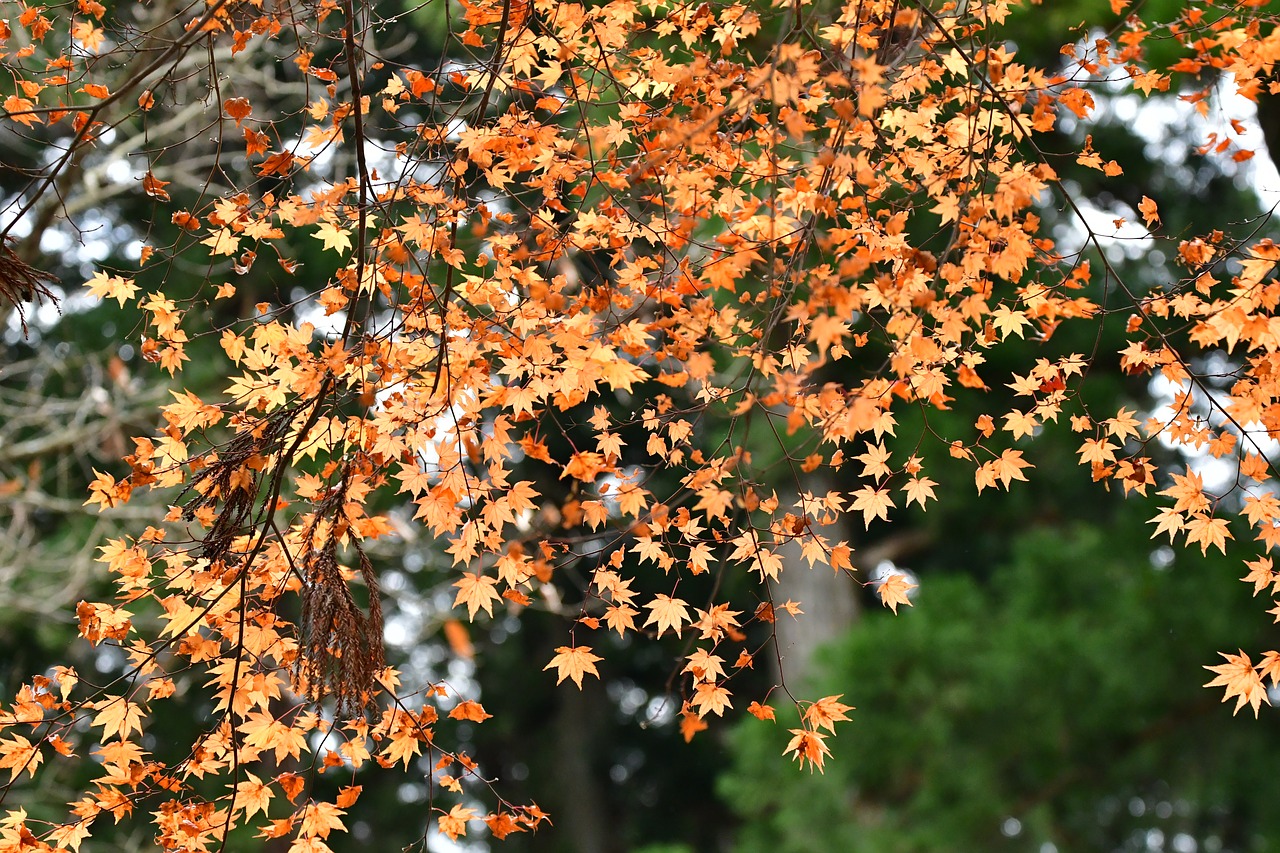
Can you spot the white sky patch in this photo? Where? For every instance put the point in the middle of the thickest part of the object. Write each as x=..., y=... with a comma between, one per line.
x=1260, y=171
x=1118, y=229
x=1220, y=475
x=1172, y=131
x=886, y=569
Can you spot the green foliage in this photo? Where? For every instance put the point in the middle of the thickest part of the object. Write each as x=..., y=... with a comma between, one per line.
x=1049, y=703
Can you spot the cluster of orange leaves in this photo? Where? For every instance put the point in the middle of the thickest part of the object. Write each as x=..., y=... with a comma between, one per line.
x=758, y=206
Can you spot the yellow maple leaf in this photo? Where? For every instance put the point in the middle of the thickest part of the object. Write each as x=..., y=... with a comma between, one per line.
x=1009, y=322
x=874, y=461
x=118, y=716
x=919, y=490
x=319, y=819
x=333, y=237
x=1261, y=574
x=621, y=618
x=262, y=731
x=252, y=795
x=705, y=666
x=114, y=287
x=873, y=503
x=222, y=242
x=667, y=612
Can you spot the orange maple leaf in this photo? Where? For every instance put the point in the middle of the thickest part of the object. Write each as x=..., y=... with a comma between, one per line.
x=477, y=592
x=1206, y=531
x=469, y=710
x=895, y=590
x=454, y=824
x=826, y=712
x=807, y=746
x=1150, y=214
x=574, y=662
x=1241, y=680
x=712, y=698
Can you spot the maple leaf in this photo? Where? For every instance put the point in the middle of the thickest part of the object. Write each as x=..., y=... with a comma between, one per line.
x=874, y=461
x=705, y=666
x=403, y=746
x=808, y=746
x=574, y=662
x=154, y=187
x=17, y=754
x=1269, y=667
x=114, y=287
x=71, y=835
x=712, y=698
x=919, y=490
x=895, y=590
x=667, y=612
x=252, y=795
x=263, y=731
x=21, y=110
x=319, y=819
x=477, y=592
x=1150, y=214
x=1168, y=521
x=1262, y=260
x=469, y=710
x=873, y=503
x=826, y=712
x=717, y=622
x=1241, y=680
x=1261, y=574
x=502, y=824
x=333, y=237
x=585, y=466
x=222, y=242
x=767, y=563
x=118, y=717
x=621, y=618
x=1008, y=321
x=1205, y=531
x=454, y=824
x=690, y=723
x=237, y=108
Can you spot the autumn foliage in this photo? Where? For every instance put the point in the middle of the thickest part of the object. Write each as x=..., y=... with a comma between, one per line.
x=579, y=272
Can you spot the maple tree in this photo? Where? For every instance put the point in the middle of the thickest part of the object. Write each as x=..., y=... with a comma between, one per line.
x=582, y=293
